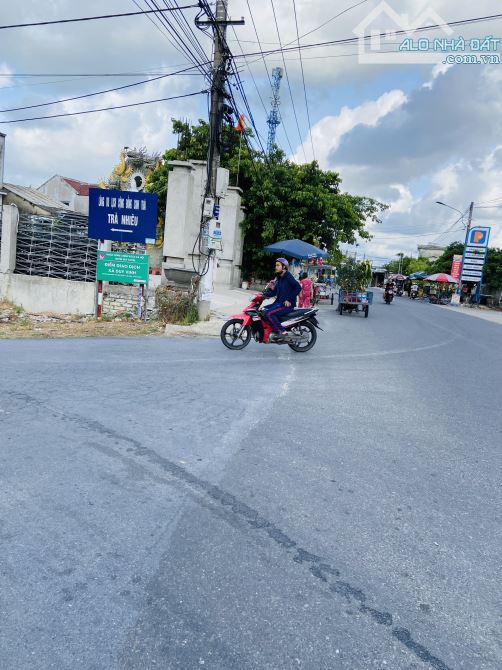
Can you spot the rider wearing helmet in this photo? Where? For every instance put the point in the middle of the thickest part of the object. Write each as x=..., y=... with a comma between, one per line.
x=285, y=290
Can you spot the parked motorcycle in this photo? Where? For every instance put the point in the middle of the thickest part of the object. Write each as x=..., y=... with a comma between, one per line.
x=399, y=292
x=414, y=294
x=238, y=331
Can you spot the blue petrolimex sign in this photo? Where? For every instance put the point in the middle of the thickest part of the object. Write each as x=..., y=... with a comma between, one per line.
x=122, y=216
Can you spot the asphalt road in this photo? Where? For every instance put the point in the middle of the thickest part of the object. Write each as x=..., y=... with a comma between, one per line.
x=167, y=503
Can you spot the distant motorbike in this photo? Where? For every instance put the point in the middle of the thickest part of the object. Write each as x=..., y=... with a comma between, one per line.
x=388, y=295
x=399, y=292
x=238, y=331
x=414, y=294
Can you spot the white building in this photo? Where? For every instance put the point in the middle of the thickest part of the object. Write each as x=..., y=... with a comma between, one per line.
x=71, y=192
x=430, y=251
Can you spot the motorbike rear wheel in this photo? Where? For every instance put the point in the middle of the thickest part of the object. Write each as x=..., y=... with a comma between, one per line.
x=307, y=330
x=229, y=335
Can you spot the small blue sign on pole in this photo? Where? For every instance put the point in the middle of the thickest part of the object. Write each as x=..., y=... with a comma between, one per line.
x=122, y=216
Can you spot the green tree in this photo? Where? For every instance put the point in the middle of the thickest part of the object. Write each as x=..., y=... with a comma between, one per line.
x=409, y=265
x=287, y=201
x=282, y=200
x=492, y=275
x=493, y=270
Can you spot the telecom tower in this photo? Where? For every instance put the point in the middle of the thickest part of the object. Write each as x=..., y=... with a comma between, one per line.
x=273, y=118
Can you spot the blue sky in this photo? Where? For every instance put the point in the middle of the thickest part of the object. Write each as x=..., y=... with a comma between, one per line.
x=405, y=134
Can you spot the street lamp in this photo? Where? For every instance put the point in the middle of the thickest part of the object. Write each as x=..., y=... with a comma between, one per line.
x=462, y=214
x=400, y=254
x=468, y=229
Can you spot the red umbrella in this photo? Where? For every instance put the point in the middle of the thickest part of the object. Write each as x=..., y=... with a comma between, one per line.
x=442, y=277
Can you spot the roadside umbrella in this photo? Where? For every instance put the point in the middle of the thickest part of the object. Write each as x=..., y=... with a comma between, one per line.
x=443, y=278
x=296, y=249
x=398, y=277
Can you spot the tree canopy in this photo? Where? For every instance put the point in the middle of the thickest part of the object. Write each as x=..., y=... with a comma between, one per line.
x=443, y=263
x=492, y=278
x=409, y=265
x=282, y=200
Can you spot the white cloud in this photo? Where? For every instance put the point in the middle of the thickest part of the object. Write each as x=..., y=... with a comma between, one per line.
x=5, y=81
x=445, y=182
x=328, y=133
x=87, y=147
x=438, y=70
x=404, y=203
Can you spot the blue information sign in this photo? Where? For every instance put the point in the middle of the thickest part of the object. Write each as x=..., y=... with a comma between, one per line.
x=122, y=216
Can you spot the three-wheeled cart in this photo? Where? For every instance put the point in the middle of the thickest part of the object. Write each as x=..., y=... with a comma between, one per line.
x=354, y=301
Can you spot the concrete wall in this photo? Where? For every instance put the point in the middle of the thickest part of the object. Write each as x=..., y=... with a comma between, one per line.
x=45, y=294
x=124, y=299
x=9, y=222
x=228, y=273
x=183, y=213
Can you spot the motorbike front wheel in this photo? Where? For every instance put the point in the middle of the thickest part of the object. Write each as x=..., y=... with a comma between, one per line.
x=230, y=335
x=305, y=330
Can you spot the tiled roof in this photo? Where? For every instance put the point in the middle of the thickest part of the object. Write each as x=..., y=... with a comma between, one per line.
x=81, y=187
x=35, y=197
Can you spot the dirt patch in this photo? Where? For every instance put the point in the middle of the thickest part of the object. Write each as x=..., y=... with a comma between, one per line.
x=15, y=323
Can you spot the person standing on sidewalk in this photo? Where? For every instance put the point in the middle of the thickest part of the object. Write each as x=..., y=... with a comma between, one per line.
x=307, y=292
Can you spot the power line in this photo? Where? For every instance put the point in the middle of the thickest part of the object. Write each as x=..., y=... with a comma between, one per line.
x=351, y=40
x=153, y=22
x=314, y=29
x=105, y=109
x=249, y=69
x=180, y=18
x=287, y=80
x=186, y=29
x=176, y=40
x=90, y=18
x=268, y=74
x=414, y=235
x=303, y=79
x=89, y=95
x=336, y=16
x=331, y=19
x=82, y=74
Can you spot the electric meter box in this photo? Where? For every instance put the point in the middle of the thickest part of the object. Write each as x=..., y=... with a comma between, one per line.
x=215, y=237
x=208, y=206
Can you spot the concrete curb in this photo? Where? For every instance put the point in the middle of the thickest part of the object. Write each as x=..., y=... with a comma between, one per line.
x=209, y=328
x=224, y=304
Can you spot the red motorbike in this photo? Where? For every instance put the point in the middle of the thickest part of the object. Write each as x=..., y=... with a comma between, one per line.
x=238, y=331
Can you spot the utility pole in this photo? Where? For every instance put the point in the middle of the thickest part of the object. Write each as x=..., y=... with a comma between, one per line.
x=469, y=223
x=221, y=57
